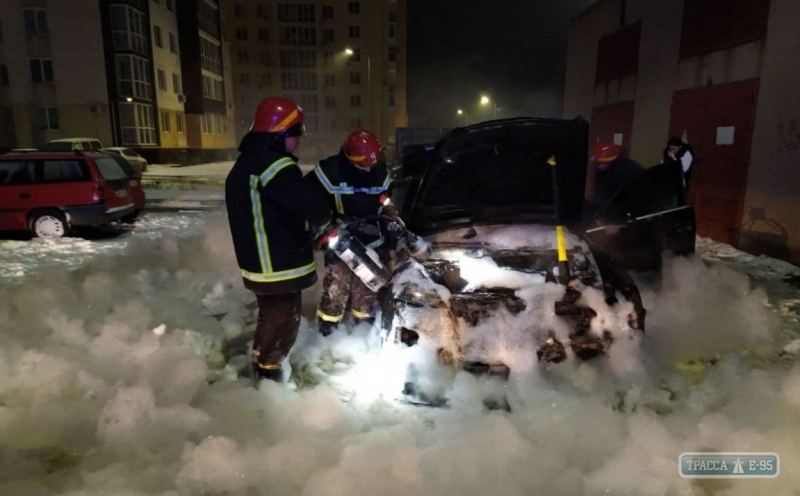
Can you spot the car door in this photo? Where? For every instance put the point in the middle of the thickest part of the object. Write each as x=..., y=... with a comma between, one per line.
x=646, y=218
x=18, y=193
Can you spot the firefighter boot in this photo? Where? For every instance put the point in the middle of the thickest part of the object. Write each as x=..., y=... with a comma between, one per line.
x=326, y=328
x=360, y=320
x=267, y=372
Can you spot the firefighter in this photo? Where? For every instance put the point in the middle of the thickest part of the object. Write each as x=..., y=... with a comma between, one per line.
x=613, y=170
x=355, y=184
x=274, y=217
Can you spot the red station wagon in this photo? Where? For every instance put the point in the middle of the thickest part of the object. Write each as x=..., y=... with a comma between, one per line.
x=48, y=193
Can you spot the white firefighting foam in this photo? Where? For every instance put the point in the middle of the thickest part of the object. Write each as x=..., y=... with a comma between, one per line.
x=93, y=401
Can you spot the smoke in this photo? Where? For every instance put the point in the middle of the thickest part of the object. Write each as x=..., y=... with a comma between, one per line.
x=110, y=383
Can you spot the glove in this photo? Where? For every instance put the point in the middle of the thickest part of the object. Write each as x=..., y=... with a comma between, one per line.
x=322, y=242
x=394, y=227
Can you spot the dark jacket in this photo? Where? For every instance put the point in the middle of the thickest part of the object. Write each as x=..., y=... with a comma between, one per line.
x=687, y=175
x=608, y=182
x=273, y=217
x=351, y=193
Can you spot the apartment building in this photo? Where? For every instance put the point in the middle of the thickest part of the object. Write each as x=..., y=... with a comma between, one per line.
x=343, y=61
x=52, y=72
x=115, y=70
x=206, y=73
x=170, y=97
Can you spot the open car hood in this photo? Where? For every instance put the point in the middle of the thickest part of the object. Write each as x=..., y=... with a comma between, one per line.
x=498, y=172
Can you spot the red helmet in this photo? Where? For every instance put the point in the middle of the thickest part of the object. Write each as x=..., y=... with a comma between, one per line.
x=605, y=152
x=362, y=148
x=278, y=115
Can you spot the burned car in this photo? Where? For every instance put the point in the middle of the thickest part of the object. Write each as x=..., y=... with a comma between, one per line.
x=521, y=273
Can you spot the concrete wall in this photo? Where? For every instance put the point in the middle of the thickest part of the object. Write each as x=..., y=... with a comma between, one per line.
x=773, y=187
x=658, y=58
x=726, y=66
x=585, y=32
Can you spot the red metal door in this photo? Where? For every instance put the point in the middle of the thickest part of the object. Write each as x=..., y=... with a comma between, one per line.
x=718, y=122
x=612, y=120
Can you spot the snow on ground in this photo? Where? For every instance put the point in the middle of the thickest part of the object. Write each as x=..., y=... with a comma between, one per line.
x=769, y=273
x=111, y=383
x=19, y=258
x=758, y=267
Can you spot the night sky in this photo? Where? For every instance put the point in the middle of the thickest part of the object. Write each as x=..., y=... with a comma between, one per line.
x=514, y=49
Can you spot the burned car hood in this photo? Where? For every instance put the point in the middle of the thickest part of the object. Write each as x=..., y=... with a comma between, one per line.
x=498, y=172
x=489, y=292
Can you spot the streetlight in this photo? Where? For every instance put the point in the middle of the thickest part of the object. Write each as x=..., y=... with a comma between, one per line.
x=466, y=116
x=485, y=101
x=351, y=52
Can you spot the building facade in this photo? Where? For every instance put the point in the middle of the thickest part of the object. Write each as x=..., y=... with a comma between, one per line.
x=343, y=61
x=113, y=70
x=52, y=76
x=722, y=75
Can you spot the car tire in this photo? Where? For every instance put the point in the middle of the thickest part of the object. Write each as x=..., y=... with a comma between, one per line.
x=49, y=224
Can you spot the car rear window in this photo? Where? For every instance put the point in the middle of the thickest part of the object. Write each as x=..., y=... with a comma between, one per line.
x=126, y=166
x=110, y=169
x=13, y=173
x=61, y=171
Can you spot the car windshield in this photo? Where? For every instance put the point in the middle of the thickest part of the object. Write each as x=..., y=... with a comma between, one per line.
x=129, y=153
x=110, y=169
x=501, y=174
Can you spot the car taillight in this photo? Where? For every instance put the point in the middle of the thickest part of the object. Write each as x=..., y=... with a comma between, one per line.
x=98, y=195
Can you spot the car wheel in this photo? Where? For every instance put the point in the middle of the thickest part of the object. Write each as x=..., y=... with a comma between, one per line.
x=49, y=224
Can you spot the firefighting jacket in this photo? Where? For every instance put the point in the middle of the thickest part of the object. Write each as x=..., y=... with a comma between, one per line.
x=273, y=217
x=352, y=193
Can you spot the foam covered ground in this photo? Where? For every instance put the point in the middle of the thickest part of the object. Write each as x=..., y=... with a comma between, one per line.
x=111, y=383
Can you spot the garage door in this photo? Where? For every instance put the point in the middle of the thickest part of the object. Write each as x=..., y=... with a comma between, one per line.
x=718, y=122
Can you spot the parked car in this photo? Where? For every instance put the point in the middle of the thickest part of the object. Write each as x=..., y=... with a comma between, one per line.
x=135, y=183
x=49, y=193
x=73, y=144
x=489, y=200
x=131, y=156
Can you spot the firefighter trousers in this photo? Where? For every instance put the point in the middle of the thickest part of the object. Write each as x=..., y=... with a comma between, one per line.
x=340, y=286
x=276, y=329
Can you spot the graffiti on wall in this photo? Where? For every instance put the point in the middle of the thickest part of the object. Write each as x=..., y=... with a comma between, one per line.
x=762, y=235
x=789, y=133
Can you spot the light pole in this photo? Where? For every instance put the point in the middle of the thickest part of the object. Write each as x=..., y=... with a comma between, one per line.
x=485, y=100
x=350, y=52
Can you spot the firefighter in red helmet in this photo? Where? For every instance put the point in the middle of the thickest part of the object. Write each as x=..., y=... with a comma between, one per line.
x=355, y=184
x=613, y=169
x=274, y=217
